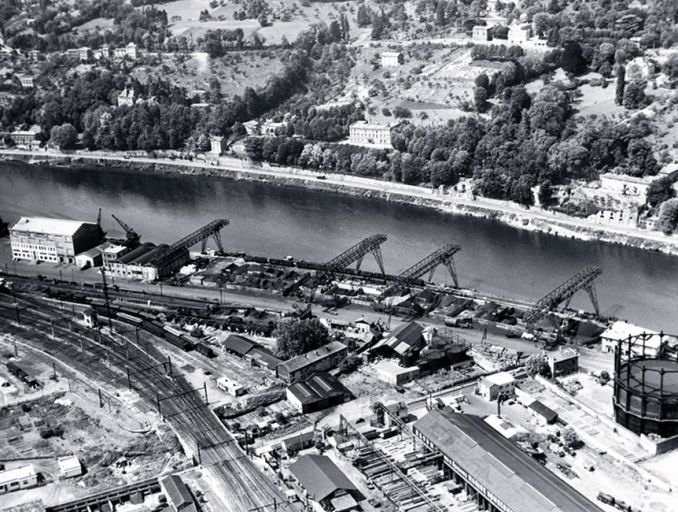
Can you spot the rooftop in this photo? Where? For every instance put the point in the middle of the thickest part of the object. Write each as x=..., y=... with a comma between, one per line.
x=177, y=492
x=620, y=330
x=68, y=463
x=134, y=254
x=12, y=475
x=372, y=126
x=47, y=226
x=264, y=357
x=320, y=386
x=239, y=344
x=564, y=354
x=549, y=414
x=309, y=358
x=406, y=336
x=500, y=379
x=320, y=476
x=512, y=476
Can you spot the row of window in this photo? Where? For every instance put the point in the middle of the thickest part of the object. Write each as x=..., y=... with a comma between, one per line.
x=28, y=255
x=35, y=247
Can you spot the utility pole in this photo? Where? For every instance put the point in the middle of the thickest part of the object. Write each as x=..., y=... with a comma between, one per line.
x=108, y=303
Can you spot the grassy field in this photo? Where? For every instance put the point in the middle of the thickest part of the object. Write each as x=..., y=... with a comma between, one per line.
x=434, y=83
x=235, y=71
x=297, y=18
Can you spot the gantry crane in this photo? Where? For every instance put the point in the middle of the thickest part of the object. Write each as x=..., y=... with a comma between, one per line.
x=584, y=279
x=175, y=252
x=443, y=256
x=133, y=237
x=355, y=254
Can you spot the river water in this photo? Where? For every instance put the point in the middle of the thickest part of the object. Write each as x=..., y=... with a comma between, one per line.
x=280, y=221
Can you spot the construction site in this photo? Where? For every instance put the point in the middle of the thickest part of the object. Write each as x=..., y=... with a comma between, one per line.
x=180, y=349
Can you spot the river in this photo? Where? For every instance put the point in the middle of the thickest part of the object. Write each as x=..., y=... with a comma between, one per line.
x=279, y=221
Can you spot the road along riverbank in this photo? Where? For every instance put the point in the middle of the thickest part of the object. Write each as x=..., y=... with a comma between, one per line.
x=512, y=214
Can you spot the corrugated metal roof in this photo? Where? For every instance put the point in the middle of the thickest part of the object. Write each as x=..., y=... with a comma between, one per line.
x=320, y=476
x=517, y=480
x=239, y=344
x=136, y=253
x=177, y=492
x=320, y=386
x=309, y=358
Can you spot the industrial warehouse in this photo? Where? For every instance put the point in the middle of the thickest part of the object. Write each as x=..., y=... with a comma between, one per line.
x=54, y=240
x=428, y=349
x=70, y=241
x=500, y=475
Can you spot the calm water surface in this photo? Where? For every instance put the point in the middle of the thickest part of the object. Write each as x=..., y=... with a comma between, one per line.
x=281, y=221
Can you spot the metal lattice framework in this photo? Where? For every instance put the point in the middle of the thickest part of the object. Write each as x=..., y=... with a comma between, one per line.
x=132, y=236
x=443, y=256
x=584, y=279
x=199, y=235
x=356, y=254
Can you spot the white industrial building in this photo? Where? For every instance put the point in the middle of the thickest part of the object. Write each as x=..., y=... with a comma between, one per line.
x=18, y=478
x=622, y=331
x=55, y=240
x=69, y=467
x=491, y=386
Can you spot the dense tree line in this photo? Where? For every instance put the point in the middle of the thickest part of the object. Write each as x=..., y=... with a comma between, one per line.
x=162, y=117
x=525, y=142
x=297, y=336
x=52, y=28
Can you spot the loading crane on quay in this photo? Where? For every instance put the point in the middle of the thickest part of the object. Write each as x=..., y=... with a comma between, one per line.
x=177, y=253
x=355, y=254
x=443, y=256
x=133, y=238
x=582, y=280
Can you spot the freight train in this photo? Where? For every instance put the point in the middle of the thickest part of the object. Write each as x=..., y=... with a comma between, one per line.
x=148, y=322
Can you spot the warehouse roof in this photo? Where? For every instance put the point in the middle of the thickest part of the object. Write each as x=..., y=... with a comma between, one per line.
x=239, y=344
x=136, y=253
x=151, y=255
x=46, y=226
x=512, y=476
x=320, y=386
x=12, y=475
x=320, y=476
x=499, y=378
x=542, y=410
x=264, y=358
x=563, y=354
x=406, y=336
x=69, y=463
x=304, y=360
x=178, y=493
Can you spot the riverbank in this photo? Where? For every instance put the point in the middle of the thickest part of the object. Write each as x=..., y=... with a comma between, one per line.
x=534, y=219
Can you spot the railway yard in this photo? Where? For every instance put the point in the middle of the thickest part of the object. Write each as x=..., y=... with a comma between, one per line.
x=186, y=376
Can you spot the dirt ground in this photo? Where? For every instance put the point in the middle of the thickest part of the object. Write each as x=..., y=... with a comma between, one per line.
x=64, y=417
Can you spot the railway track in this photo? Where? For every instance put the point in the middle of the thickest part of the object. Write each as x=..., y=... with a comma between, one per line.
x=238, y=481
